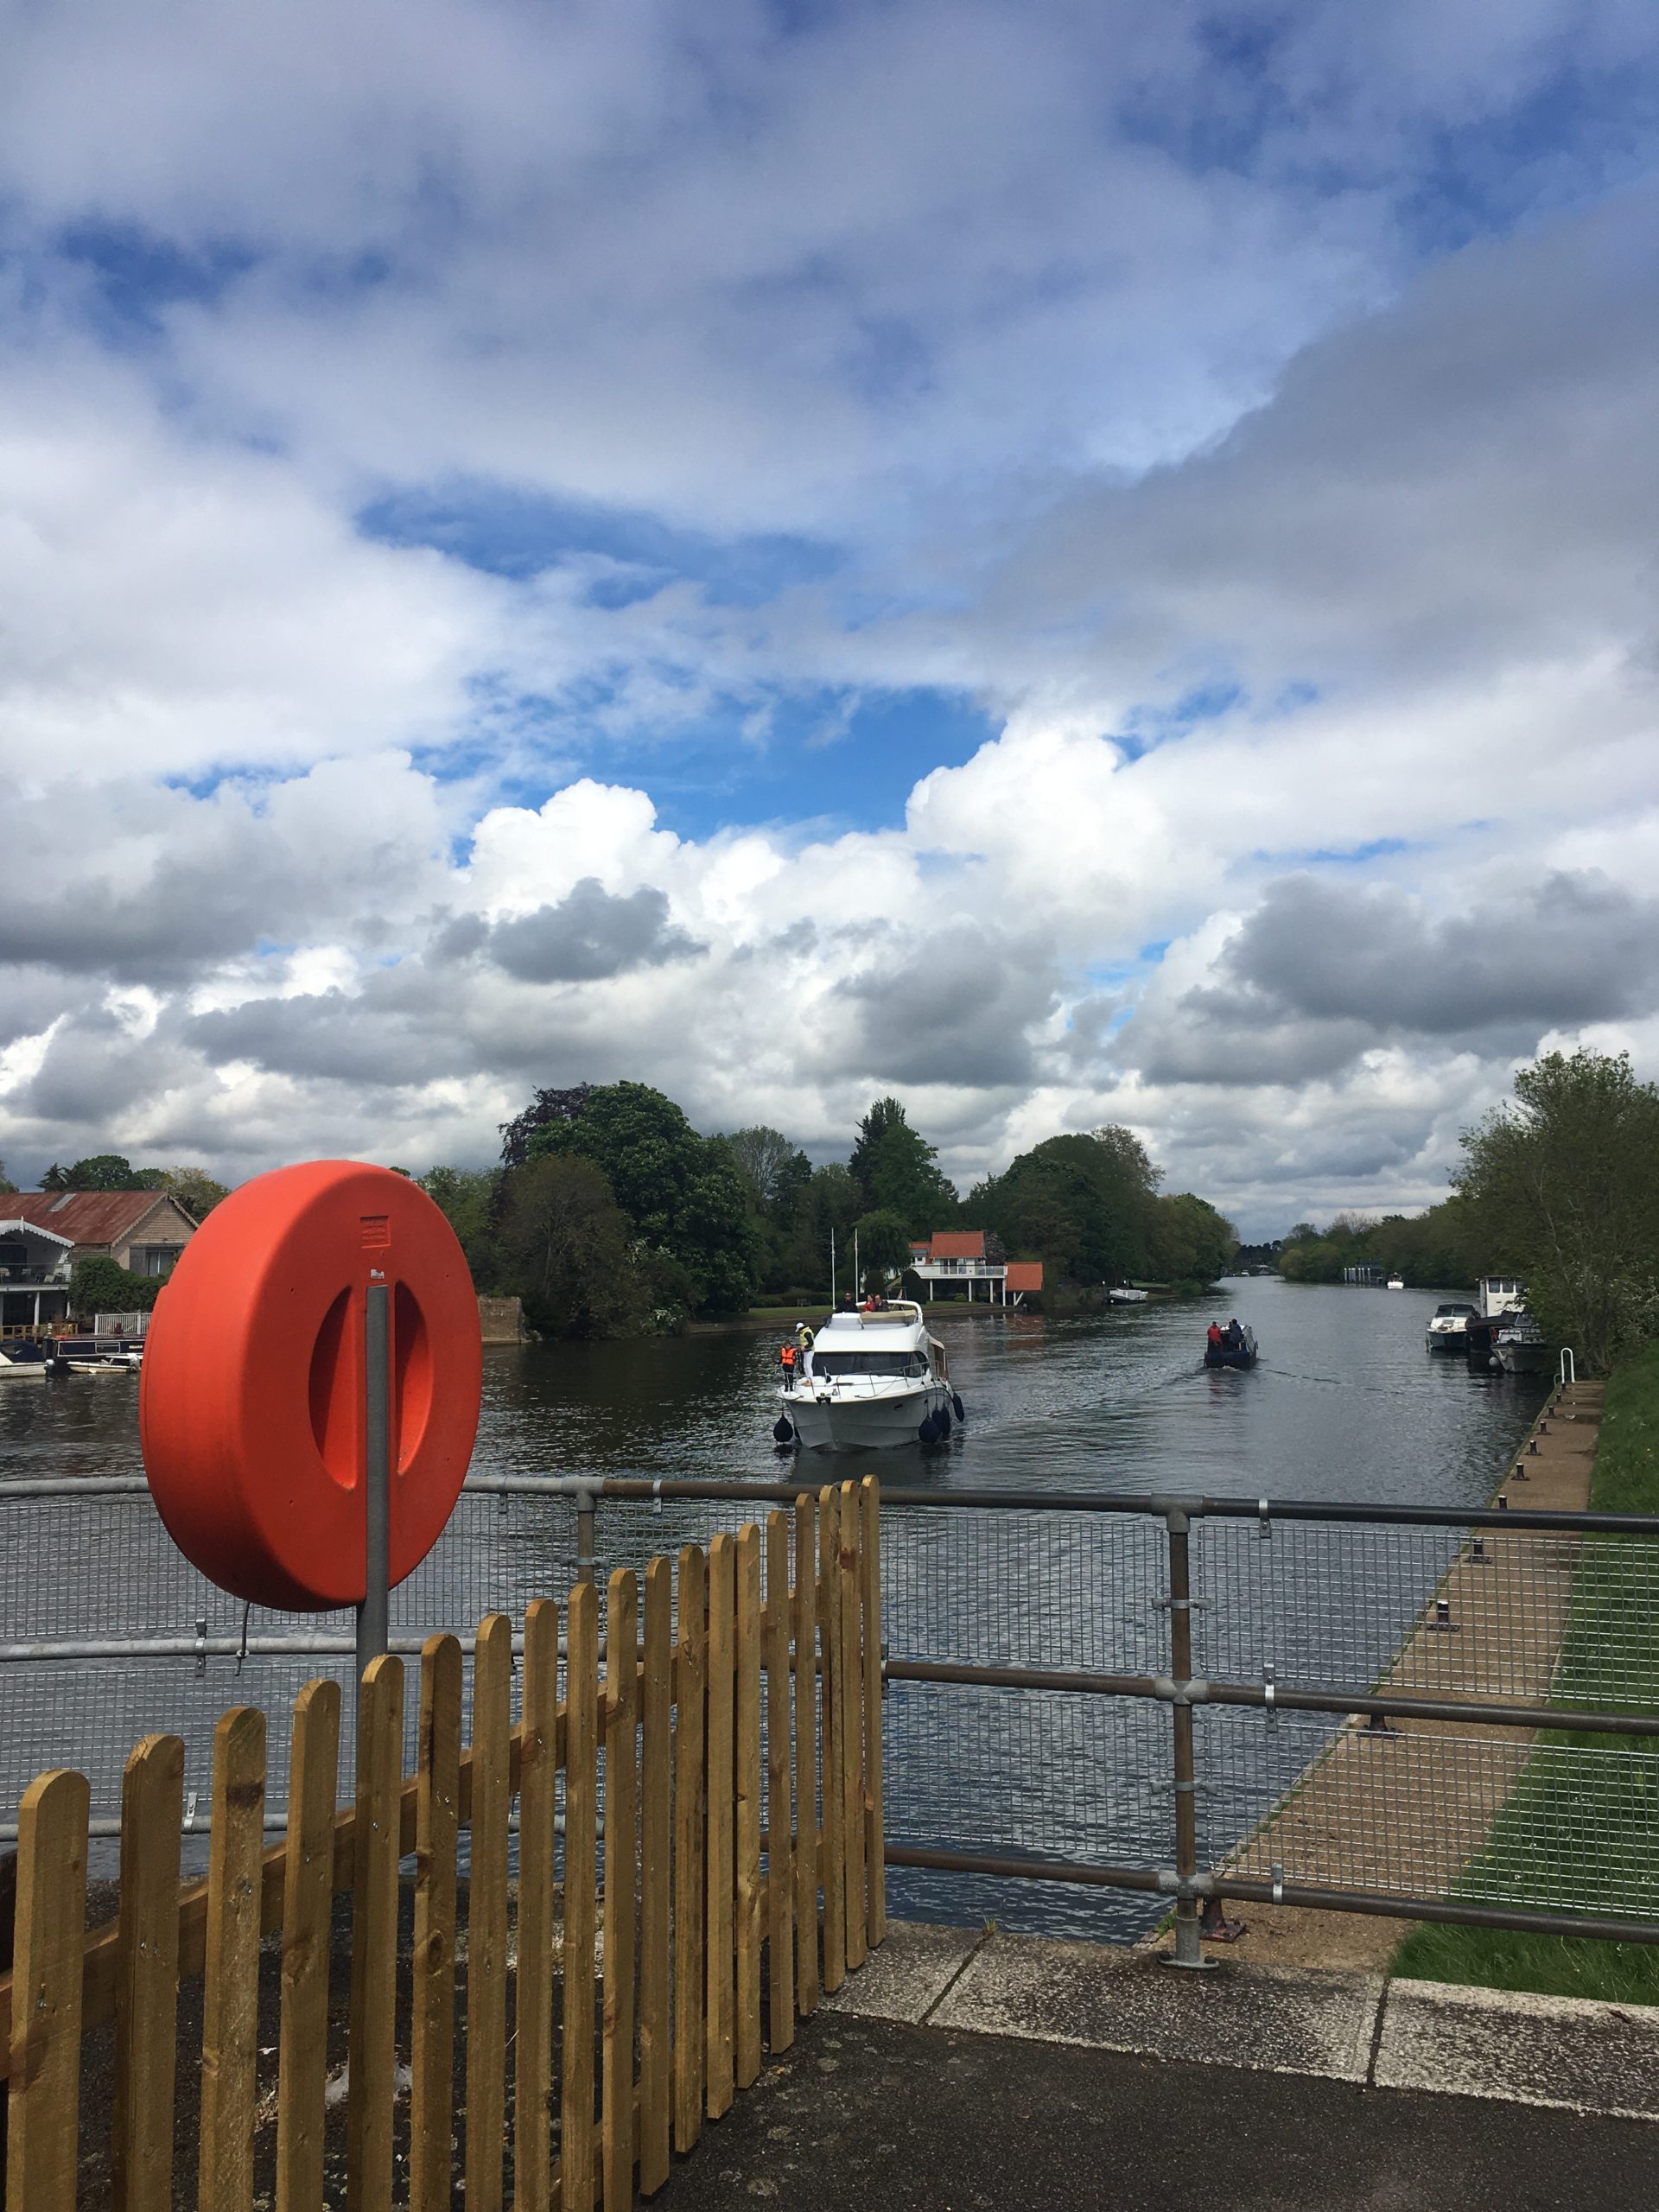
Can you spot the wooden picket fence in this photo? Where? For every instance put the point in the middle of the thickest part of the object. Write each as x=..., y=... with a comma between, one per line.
x=711, y=1925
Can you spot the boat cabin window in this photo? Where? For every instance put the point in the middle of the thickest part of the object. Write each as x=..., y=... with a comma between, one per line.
x=1441, y=1310
x=868, y=1362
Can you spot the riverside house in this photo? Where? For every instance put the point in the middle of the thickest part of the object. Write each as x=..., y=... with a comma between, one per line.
x=954, y=1257
x=43, y=1233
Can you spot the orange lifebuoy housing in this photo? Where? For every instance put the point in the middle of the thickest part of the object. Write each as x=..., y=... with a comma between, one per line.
x=251, y=1402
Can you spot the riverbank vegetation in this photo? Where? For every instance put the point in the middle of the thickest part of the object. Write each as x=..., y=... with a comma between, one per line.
x=610, y=1215
x=1559, y=1185
x=1545, y=1834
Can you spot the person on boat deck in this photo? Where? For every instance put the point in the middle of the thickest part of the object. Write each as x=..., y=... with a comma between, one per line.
x=1215, y=1335
x=1235, y=1333
x=803, y=1350
x=787, y=1357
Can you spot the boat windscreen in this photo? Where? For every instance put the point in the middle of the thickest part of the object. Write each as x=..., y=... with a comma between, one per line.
x=868, y=1362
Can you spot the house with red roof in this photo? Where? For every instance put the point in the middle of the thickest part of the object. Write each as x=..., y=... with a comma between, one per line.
x=965, y=1256
x=43, y=1233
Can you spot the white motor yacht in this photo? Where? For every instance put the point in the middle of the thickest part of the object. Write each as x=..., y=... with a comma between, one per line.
x=871, y=1378
x=1448, y=1328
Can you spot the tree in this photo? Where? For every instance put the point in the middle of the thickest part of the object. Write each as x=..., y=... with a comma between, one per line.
x=892, y=1166
x=1082, y=1205
x=7, y=1186
x=680, y=1193
x=565, y=1250
x=54, y=1178
x=108, y=1171
x=194, y=1189
x=883, y=1248
x=1564, y=1181
x=775, y=1171
x=546, y=1107
x=467, y=1199
x=1190, y=1240
x=101, y=1284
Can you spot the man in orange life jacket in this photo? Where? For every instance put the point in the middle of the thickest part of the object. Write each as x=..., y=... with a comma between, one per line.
x=787, y=1357
x=1215, y=1335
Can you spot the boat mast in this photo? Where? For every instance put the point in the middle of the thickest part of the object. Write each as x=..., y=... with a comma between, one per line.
x=832, y=1267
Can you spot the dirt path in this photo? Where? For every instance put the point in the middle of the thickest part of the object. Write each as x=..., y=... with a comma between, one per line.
x=1404, y=1811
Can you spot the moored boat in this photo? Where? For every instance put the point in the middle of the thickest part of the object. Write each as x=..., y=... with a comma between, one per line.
x=872, y=1378
x=1448, y=1327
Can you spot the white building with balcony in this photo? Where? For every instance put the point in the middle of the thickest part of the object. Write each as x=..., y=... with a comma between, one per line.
x=957, y=1257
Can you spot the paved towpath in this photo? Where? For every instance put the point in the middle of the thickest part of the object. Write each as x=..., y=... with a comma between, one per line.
x=962, y=2070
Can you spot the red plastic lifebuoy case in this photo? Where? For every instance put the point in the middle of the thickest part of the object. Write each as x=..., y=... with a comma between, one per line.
x=252, y=1398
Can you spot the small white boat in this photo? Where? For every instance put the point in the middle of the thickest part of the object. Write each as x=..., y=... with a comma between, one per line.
x=115, y=1365
x=20, y=1370
x=1520, y=1347
x=1448, y=1328
x=1395, y=1282
x=871, y=1379
x=1123, y=1295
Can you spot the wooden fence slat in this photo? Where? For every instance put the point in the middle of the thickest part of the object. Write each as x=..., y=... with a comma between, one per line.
x=230, y=1984
x=432, y=1995
x=656, y=1838
x=780, y=1873
x=747, y=1783
x=44, y=2109
x=532, y=2102
x=832, y=1868
x=307, y=1909
x=690, y=1978
x=146, y=2016
x=486, y=1913
x=581, y=1720
x=621, y=1877
x=806, y=1756
x=850, y=1585
x=722, y=1658
x=875, y=1873
x=374, y=1936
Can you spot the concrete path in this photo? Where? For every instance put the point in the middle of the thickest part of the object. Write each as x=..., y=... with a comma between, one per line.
x=966, y=2069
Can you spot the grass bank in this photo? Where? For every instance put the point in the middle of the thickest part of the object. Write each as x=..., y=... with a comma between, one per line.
x=1543, y=1827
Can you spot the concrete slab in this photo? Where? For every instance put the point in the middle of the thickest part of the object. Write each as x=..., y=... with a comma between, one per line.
x=1296, y=2022
x=906, y=1979
x=1569, y=2052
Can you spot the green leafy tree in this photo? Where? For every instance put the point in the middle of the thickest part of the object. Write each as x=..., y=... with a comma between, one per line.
x=1082, y=1205
x=100, y=1285
x=468, y=1199
x=681, y=1194
x=1565, y=1180
x=566, y=1251
x=108, y=1171
x=892, y=1166
x=7, y=1186
x=1189, y=1241
x=883, y=1248
x=194, y=1189
x=775, y=1175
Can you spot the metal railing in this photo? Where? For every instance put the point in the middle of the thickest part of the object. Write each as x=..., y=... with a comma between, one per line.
x=1414, y=1711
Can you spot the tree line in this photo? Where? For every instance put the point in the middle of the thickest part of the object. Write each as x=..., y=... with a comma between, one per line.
x=609, y=1214
x=1559, y=1185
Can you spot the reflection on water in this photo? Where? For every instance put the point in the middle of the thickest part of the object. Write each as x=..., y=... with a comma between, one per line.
x=1346, y=1404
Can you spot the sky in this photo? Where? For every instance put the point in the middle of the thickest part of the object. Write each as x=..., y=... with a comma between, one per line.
x=1069, y=562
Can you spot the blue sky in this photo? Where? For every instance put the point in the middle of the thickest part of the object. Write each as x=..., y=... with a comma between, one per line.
x=969, y=510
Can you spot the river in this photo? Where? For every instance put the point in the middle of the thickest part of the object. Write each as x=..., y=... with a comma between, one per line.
x=1346, y=1404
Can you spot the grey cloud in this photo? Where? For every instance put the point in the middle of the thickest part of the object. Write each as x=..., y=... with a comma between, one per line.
x=956, y=1010
x=373, y=1038
x=591, y=934
x=1322, y=972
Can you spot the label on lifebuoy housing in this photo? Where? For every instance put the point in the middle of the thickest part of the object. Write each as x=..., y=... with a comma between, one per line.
x=252, y=1393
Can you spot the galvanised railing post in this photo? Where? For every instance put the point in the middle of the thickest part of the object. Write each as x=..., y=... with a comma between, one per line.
x=587, y=1506
x=1189, y=1950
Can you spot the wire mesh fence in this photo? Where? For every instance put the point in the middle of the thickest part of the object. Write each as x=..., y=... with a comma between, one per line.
x=1566, y=1618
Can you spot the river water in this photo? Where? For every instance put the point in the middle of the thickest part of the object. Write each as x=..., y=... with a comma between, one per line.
x=1345, y=1404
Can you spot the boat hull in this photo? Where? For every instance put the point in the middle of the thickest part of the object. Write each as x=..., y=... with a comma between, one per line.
x=844, y=1423
x=1227, y=1357
x=1526, y=1357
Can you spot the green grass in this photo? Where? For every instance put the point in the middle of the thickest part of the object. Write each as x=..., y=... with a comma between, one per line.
x=1543, y=1830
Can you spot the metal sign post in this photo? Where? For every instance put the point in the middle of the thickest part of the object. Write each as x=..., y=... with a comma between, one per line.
x=373, y=1624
